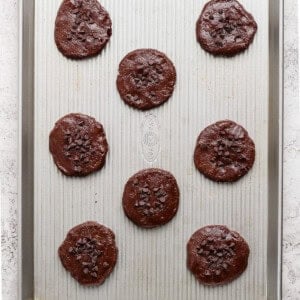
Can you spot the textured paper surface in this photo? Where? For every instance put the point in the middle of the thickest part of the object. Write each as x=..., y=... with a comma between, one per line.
x=152, y=263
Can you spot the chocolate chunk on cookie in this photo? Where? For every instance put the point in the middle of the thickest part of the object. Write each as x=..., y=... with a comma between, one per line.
x=82, y=28
x=151, y=198
x=225, y=27
x=89, y=253
x=78, y=145
x=224, y=151
x=146, y=78
x=217, y=255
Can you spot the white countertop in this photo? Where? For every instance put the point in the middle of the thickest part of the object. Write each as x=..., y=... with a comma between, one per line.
x=8, y=151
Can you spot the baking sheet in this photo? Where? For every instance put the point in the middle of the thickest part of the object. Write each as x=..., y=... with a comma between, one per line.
x=152, y=263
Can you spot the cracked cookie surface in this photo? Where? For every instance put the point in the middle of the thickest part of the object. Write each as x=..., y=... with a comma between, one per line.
x=225, y=27
x=224, y=151
x=82, y=28
x=151, y=198
x=217, y=255
x=78, y=145
x=89, y=253
x=146, y=78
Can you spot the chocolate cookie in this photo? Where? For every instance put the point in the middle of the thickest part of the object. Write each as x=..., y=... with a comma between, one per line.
x=224, y=151
x=89, y=253
x=146, y=78
x=225, y=27
x=151, y=198
x=217, y=255
x=78, y=145
x=82, y=28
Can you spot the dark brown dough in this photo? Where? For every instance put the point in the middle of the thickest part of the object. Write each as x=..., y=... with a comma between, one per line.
x=146, y=78
x=78, y=145
x=151, y=198
x=82, y=28
x=217, y=255
x=89, y=253
x=224, y=151
x=225, y=27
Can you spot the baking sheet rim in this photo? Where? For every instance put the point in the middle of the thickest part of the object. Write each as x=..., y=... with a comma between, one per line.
x=26, y=150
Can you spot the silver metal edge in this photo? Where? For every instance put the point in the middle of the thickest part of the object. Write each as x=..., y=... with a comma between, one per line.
x=274, y=251
x=26, y=151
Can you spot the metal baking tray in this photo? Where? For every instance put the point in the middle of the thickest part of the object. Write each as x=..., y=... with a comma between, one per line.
x=152, y=263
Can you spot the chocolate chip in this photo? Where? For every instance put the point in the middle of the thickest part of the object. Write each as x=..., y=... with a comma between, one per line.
x=214, y=259
x=218, y=43
x=228, y=29
x=71, y=146
x=232, y=253
x=99, y=252
x=162, y=199
x=67, y=154
x=200, y=250
x=77, y=169
x=78, y=3
x=225, y=266
x=145, y=190
x=211, y=247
